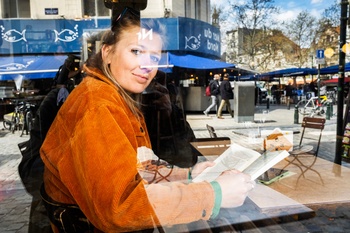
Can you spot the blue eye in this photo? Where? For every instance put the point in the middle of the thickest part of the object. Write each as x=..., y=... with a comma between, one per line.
x=155, y=58
x=152, y=57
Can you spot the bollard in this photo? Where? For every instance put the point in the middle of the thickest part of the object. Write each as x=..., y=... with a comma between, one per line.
x=328, y=111
x=268, y=103
x=331, y=109
x=296, y=114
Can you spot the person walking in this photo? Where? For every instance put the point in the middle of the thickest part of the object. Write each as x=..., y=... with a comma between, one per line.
x=214, y=92
x=289, y=94
x=226, y=94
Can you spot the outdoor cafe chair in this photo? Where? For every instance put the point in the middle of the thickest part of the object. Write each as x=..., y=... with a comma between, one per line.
x=306, y=150
x=211, y=131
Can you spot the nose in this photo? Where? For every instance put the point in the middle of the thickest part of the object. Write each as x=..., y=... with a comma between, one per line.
x=146, y=68
x=147, y=64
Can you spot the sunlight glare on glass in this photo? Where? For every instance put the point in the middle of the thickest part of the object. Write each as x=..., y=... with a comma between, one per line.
x=329, y=52
x=346, y=48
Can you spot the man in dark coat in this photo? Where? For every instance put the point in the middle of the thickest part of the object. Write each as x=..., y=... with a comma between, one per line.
x=226, y=94
x=289, y=94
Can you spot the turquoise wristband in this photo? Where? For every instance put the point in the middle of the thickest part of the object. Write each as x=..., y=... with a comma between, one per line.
x=218, y=198
x=190, y=174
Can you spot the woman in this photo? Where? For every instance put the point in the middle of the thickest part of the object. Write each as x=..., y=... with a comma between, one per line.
x=91, y=151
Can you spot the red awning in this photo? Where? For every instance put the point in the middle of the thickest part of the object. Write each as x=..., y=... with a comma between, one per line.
x=335, y=81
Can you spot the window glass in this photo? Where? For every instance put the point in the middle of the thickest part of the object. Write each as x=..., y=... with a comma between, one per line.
x=95, y=8
x=16, y=8
x=224, y=74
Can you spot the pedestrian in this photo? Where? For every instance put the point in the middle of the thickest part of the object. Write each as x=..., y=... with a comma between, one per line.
x=97, y=152
x=289, y=93
x=274, y=93
x=306, y=91
x=214, y=93
x=226, y=94
x=312, y=89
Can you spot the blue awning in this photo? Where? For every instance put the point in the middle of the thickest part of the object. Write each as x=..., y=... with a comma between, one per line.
x=289, y=72
x=30, y=67
x=334, y=69
x=196, y=62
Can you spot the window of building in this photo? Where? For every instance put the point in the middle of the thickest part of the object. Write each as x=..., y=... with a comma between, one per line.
x=198, y=9
x=16, y=8
x=95, y=8
x=187, y=8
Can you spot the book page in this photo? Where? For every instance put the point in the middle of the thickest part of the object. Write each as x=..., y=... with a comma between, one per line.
x=264, y=162
x=235, y=157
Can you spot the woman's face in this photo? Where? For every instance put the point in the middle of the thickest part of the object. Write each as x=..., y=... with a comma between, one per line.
x=134, y=60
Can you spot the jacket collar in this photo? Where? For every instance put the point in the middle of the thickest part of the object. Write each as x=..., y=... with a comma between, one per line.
x=97, y=73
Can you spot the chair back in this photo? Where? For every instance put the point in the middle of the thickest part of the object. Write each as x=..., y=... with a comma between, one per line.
x=211, y=131
x=211, y=146
x=313, y=123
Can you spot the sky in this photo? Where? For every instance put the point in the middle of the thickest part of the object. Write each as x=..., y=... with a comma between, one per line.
x=289, y=9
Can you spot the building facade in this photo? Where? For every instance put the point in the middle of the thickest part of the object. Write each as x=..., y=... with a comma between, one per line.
x=78, y=9
x=275, y=52
x=329, y=39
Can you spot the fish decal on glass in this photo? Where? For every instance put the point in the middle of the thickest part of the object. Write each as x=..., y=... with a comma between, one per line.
x=193, y=42
x=13, y=35
x=67, y=35
x=15, y=66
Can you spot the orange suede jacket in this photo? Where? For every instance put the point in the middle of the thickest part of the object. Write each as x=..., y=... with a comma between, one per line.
x=90, y=156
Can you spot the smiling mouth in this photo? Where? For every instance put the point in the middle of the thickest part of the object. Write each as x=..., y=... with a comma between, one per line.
x=142, y=76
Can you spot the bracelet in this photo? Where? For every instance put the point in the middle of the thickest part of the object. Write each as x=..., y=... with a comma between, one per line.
x=189, y=173
x=218, y=199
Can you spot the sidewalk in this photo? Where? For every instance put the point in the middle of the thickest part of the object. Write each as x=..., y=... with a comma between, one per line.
x=14, y=200
x=274, y=116
x=278, y=116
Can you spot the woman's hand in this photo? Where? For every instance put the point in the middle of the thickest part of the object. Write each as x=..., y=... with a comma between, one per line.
x=198, y=168
x=235, y=186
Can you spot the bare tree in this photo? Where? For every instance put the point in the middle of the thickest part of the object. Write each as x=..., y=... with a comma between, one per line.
x=253, y=16
x=327, y=34
x=302, y=31
x=275, y=50
x=331, y=15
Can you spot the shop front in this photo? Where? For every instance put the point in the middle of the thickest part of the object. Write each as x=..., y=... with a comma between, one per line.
x=33, y=50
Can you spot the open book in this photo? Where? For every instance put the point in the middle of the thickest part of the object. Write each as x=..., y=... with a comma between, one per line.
x=242, y=159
